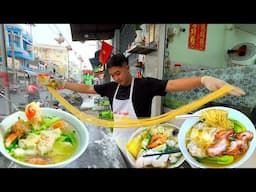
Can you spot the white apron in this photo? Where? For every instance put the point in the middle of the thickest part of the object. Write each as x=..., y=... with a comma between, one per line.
x=122, y=110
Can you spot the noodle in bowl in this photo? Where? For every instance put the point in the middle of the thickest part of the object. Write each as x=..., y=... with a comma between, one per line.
x=80, y=131
x=200, y=157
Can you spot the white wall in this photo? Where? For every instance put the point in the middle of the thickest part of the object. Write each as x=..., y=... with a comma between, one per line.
x=220, y=38
x=212, y=55
x=154, y=64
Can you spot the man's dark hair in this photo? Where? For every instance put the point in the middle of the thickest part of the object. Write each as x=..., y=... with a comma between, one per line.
x=117, y=60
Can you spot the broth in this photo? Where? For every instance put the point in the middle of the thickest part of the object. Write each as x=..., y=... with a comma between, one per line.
x=30, y=147
x=199, y=134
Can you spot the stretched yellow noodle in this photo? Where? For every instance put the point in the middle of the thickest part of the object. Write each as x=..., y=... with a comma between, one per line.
x=90, y=119
x=216, y=118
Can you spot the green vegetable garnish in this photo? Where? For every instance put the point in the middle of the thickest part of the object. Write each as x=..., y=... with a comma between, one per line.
x=223, y=160
x=238, y=127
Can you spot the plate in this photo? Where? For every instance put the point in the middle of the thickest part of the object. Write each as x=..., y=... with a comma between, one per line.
x=140, y=131
x=233, y=114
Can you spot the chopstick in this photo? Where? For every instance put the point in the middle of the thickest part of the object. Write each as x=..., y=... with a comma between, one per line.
x=162, y=153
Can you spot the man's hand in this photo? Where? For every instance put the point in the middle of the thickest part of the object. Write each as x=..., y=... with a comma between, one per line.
x=55, y=83
x=212, y=84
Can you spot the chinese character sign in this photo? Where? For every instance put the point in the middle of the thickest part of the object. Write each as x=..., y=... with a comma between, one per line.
x=197, y=36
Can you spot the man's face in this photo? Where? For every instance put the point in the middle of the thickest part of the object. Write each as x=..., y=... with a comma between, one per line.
x=120, y=74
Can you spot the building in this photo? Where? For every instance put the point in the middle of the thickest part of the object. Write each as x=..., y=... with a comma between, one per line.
x=19, y=45
x=19, y=42
x=51, y=58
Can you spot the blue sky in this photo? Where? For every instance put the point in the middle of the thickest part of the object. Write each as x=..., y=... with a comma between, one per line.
x=46, y=33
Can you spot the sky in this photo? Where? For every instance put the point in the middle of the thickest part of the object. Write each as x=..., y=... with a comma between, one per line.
x=46, y=34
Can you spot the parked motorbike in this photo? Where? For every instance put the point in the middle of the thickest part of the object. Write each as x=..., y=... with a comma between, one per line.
x=73, y=98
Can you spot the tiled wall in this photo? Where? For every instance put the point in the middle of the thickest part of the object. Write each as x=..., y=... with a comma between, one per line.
x=241, y=76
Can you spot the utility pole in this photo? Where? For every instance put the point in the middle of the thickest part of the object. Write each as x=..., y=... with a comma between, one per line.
x=31, y=35
x=68, y=67
x=13, y=59
x=4, y=60
x=69, y=48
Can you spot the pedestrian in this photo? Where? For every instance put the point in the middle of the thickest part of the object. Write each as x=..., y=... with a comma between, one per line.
x=132, y=97
x=33, y=93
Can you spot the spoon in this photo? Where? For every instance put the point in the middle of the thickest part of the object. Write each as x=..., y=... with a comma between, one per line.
x=186, y=116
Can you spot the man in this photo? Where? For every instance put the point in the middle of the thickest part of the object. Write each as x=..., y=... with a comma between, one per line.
x=132, y=97
x=33, y=93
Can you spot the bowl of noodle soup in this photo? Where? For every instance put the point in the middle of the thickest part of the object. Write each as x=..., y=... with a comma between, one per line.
x=220, y=137
x=145, y=143
x=53, y=145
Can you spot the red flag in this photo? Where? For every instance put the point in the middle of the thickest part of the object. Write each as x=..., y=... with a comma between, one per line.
x=105, y=52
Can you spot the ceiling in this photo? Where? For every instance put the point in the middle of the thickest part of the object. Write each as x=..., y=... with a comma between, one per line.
x=82, y=32
x=250, y=28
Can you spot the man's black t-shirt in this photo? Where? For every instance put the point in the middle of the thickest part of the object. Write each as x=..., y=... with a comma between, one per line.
x=143, y=92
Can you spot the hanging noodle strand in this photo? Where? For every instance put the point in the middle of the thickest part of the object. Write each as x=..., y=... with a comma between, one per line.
x=142, y=122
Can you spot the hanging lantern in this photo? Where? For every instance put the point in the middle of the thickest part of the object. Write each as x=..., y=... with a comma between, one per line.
x=79, y=57
x=69, y=48
x=60, y=39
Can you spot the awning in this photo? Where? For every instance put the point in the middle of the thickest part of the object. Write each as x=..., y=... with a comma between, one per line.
x=95, y=60
x=31, y=73
x=82, y=32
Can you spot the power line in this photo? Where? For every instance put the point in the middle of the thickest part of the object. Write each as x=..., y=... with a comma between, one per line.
x=55, y=32
x=58, y=32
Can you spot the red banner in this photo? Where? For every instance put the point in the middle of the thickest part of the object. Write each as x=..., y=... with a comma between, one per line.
x=4, y=79
x=197, y=36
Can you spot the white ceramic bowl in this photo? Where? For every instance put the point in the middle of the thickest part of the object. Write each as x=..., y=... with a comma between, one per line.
x=81, y=130
x=132, y=160
x=232, y=113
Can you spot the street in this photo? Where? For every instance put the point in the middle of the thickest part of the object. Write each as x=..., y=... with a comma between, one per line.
x=20, y=99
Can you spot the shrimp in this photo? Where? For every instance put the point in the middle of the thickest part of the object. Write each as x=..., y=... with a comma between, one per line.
x=37, y=160
x=32, y=110
x=157, y=140
x=33, y=114
x=10, y=138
